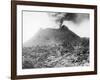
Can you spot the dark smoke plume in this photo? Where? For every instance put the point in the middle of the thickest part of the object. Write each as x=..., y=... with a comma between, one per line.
x=74, y=17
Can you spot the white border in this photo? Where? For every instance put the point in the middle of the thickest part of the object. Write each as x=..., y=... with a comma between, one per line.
x=52, y=70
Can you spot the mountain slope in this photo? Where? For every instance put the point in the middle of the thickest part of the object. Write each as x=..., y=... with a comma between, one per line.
x=53, y=36
x=55, y=48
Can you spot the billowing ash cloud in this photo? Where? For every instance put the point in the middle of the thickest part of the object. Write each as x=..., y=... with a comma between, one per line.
x=74, y=17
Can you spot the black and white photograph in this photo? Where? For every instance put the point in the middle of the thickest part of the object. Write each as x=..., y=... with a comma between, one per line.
x=55, y=39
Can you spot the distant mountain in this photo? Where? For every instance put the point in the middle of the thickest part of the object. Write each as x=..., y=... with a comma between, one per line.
x=52, y=36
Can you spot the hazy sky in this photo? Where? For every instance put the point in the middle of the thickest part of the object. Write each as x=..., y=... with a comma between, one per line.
x=33, y=21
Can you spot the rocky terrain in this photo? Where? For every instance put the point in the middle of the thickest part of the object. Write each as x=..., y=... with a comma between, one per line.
x=55, y=48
